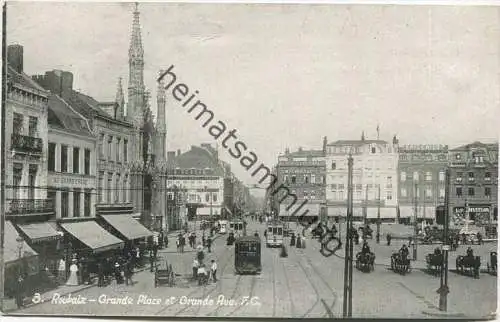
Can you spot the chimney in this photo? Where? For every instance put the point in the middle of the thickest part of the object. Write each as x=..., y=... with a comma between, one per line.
x=15, y=57
x=325, y=141
x=57, y=81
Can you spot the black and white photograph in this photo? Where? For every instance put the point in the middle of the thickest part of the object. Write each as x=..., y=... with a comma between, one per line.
x=250, y=160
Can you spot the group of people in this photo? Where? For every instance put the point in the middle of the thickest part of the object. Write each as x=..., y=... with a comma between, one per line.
x=297, y=241
x=200, y=272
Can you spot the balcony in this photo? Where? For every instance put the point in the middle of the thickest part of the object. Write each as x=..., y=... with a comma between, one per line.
x=30, y=206
x=26, y=143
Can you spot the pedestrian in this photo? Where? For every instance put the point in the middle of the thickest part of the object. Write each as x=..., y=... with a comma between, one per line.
x=118, y=273
x=182, y=243
x=377, y=237
x=213, y=270
x=100, y=274
x=299, y=242
x=151, y=261
x=128, y=272
x=479, y=238
x=138, y=256
x=209, y=244
x=155, y=250
x=80, y=272
x=178, y=243
x=160, y=239
x=20, y=291
x=196, y=264
x=202, y=275
x=389, y=237
x=166, y=240
x=292, y=240
x=61, y=274
x=73, y=274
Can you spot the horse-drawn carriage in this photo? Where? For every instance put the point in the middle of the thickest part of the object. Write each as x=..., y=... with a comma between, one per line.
x=468, y=265
x=365, y=262
x=492, y=264
x=400, y=263
x=434, y=262
x=164, y=274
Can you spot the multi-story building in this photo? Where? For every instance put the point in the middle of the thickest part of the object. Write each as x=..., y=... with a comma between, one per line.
x=27, y=209
x=375, y=175
x=421, y=181
x=199, y=176
x=474, y=183
x=71, y=162
x=303, y=173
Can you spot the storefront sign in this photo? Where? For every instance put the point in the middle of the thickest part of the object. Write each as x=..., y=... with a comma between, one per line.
x=68, y=181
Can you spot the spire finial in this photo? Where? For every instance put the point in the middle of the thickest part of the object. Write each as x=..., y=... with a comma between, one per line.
x=363, y=136
x=378, y=132
x=135, y=41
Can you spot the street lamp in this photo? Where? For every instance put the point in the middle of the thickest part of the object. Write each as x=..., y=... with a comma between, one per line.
x=20, y=245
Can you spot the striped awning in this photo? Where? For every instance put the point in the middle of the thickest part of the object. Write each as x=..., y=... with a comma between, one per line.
x=205, y=211
x=93, y=236
x=428, y=212
x=371, y=212
x=127, y=226
x=39, y=232
x=12, y=248
x=308, y=210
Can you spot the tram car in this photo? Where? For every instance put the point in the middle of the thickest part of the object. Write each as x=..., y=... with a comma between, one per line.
x=274, y=234
x=247, y=259
x=236, y=227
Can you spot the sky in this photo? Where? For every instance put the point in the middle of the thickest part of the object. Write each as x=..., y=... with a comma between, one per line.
x=286, y=75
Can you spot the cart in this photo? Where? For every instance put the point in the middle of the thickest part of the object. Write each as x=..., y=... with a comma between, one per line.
x=164, y=274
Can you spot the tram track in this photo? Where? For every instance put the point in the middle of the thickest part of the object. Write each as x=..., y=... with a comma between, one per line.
x=287, y=282
x=216, y=310
x=252, y=289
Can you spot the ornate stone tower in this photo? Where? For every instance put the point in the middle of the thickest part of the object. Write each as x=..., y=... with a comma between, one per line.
x=161, y=126
x=120, y=100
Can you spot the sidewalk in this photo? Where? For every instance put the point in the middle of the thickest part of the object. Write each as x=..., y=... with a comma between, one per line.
x=10, y=304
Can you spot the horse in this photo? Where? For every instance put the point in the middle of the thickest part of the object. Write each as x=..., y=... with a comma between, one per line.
x=434, y=263
x=400, y=263
x=365, y=261
x=469, y=265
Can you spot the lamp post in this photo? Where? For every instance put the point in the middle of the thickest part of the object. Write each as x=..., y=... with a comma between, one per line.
x=415, y=225
x=378, y=217
x=443, y=289
x=20, y=245
x=347, y=305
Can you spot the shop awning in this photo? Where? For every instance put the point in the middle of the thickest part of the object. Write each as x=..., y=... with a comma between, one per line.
x=39, y=232
x=385, y=212
x=129, y=227
x=205, y=211
x=428, y=212
x=314, y=210
x=12, y=248
x=93, y=235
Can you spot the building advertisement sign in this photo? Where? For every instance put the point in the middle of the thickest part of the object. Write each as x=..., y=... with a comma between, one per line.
x=71, y=181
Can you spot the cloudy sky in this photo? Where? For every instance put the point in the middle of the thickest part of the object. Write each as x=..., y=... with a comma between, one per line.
x=287, y=75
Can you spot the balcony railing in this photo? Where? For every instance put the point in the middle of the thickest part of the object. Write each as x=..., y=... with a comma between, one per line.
x=26, y=143
x=30, y=206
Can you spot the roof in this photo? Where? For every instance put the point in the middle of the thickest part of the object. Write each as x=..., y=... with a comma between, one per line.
x=63, y=117
x=197, y=158
x=24, y=80
x=357, y=142
x=248, y=239
x=476, y=144
x=305, y=153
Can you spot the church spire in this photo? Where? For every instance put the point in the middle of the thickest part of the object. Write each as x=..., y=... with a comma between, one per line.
x=136, y=90
x=363, y=136
x=120, y=99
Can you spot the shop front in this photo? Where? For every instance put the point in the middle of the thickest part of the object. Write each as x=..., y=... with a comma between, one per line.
x=19, y=260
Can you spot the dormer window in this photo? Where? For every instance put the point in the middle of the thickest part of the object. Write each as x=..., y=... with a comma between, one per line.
x=334, y=166
x=373, y=150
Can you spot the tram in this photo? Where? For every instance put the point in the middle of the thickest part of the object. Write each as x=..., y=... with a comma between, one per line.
x=247, y=255
x=274, y=234
x=237, y=227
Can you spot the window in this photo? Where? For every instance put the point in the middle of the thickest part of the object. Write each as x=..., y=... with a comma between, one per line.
x=459, y=177
x=389, y=182
x=214, y=197
x=441, y=176
x=415, y=176
x=117, y=190
x=359, y=187
x=358, y=194
x=341, y=186
x=428, y=192
x=389, y=195
x=33, y=127
x=458, y=191
x=306, y=178
x=76, y=160
x=334, y=165
x=109, y=187
x=52, y=157
x=313, y=178
x=403, y=192
x=64, y=158
x=86, y=204
x=64, y=203
x=373, y=150
x=125, y=150
x=118, y=150
x=76, y=202
x=441, y=192
x=207, y=197
x=471, y=176
x=110, y=148
x=285, y=178
x=17, y=178
x=101, y=146
x=32, y=181
x=293, y=179
x=487, y=191
x=125, y=190
x=471, y=191
x=101, y=187
x=333, y=186
x=17, y=124
x=403, y=176
x=428, y=176
x=341, y=195
x=487, y=176
x=87, y=162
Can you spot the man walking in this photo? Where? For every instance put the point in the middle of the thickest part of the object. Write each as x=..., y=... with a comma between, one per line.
x=213, y=270
x=20, y=291
x=128, y=271
x=196, y=264
x=209, y=244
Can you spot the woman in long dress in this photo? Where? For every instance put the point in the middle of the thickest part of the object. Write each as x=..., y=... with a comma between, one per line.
x=73, y=274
